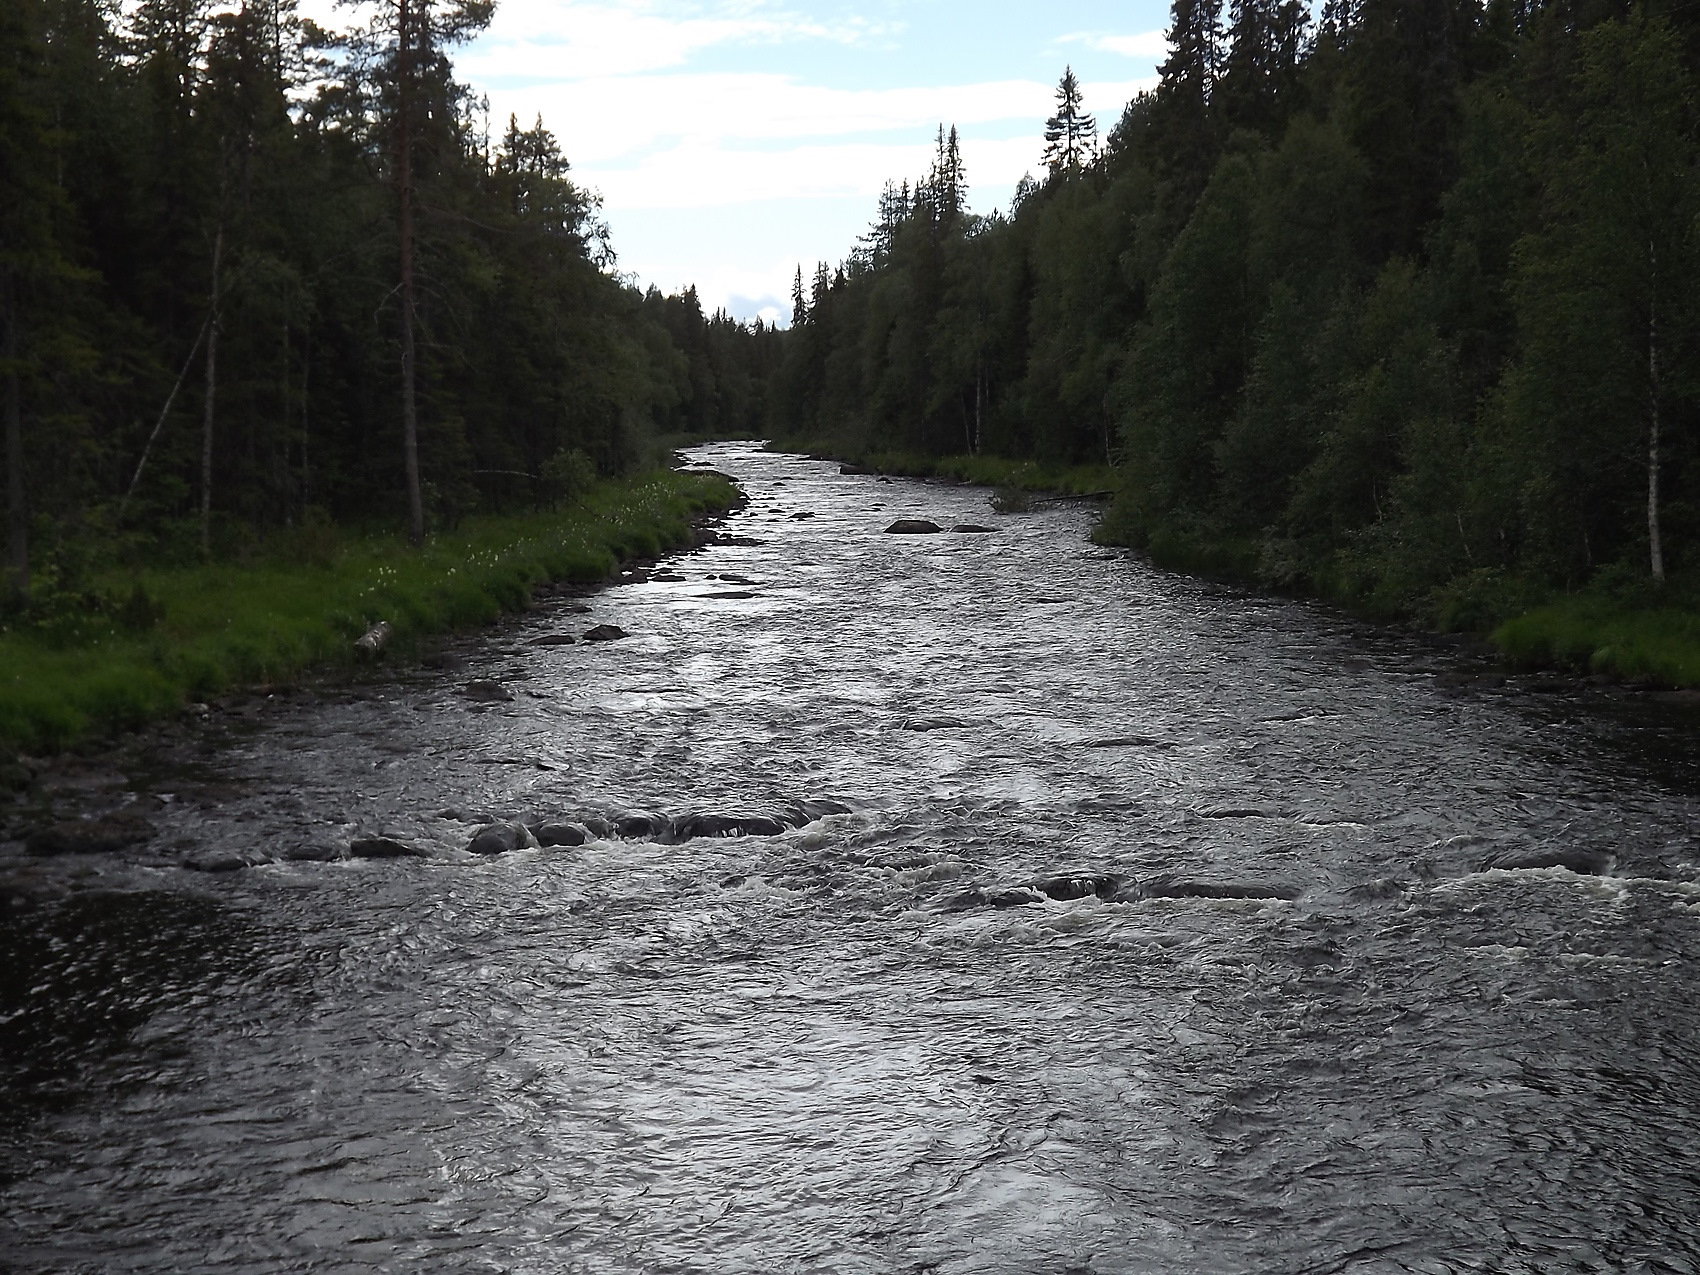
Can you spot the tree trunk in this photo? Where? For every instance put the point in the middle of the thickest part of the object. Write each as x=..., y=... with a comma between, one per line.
x=210, y=414
x=979, y=407
x=404, y=174
x=1655, y=543
x=18, y=525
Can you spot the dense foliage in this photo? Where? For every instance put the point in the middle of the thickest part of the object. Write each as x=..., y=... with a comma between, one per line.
x=203, y=293
x=1400, y=305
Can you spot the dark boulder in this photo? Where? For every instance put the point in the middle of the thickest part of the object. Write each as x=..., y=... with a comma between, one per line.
x=606, y=633
x=312, y=852
x=596, y=827
x=554, y=639
x=555, y=832
x=1079, y=885
x=384, y=848
x=798, y=813
x=971, y=528
x=641, y=824
x=931, y=723
x=500, y=838
x=90, y=836
x=1577, y=859
x=733, y=595
x=913, y=527
x=729, y=826
x=801, y=514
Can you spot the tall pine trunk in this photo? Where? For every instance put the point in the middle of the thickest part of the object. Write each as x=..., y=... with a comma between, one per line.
x=209, y=414
x=18, y=525
x=404, y=174
x=1655, y=543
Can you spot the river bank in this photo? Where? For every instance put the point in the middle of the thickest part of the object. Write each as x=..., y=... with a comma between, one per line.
x=187, y=634
x=1036, y=478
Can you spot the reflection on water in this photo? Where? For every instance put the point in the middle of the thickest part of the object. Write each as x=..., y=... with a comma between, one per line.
x=832, y=1050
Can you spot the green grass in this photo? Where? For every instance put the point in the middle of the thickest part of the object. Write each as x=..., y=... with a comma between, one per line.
x=1588, y=634
x=979, y=471
x=227, y=625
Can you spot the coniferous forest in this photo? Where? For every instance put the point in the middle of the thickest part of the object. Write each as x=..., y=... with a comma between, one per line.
x=255, y=277
x=1398, y=304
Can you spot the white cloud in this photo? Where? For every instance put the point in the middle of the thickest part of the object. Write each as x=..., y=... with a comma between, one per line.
x=1152, y=46
x=679, y=140
x=557, y=39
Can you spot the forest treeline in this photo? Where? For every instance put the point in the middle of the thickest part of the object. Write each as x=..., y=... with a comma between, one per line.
x=256, y=277
x=1399, y=304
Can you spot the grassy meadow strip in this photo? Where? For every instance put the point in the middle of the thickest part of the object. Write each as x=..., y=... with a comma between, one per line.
x=208, y=628
x=1039, y=477
x=1658, y=645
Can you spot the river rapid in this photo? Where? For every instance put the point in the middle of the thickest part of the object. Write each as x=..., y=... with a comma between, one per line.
x=1156, y=937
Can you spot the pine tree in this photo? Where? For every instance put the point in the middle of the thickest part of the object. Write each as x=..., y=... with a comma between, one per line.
x=947, y=186
x=799, y=303
x=409, y=37
x=1071, y=135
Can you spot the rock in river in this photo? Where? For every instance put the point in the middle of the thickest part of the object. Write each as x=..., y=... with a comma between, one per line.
x=484, y=691
x=90, y=836
x=728, y=826
x=384, y=848
x=913, y=527
x=554, y=639
x=606, y=633
x=555, y=832
x=971, y=528
x=1578, y=859
x=499, y=838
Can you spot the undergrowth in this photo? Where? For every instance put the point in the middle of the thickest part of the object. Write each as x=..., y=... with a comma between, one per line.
x=188, y=633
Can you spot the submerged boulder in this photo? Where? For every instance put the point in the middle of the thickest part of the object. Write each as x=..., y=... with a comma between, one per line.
x=554, y=639
x=500, y=838
x=606, y=633
x=90, y=836
x=485, y=691
x=1577, y=859
x=971, y=528
x=913, y=527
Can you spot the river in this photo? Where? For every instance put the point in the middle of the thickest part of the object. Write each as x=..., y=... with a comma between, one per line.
x=1289, y=1023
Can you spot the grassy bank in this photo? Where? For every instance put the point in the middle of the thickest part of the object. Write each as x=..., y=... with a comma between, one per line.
x=1033, y=476
x=187, y=633
x=1597, y=634
x=1618, y=627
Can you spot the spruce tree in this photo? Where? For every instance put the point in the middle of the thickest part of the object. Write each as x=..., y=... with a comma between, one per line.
x=1071, y=135
x=409, y=38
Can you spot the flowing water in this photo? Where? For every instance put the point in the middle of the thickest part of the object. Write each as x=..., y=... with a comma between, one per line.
x=1289, y=1023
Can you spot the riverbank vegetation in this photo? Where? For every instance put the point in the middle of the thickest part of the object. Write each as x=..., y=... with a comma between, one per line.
x=140, y=643
x=1399, y=306
x=255, y=279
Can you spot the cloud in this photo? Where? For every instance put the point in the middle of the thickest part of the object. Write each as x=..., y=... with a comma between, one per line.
x=687, y=140
x=1151, y=46
x=561, y=39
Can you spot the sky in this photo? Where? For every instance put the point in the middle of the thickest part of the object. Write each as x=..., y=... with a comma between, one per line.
x=732, y=140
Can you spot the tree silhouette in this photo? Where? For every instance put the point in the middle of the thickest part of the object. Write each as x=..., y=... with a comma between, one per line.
x=1071, y=135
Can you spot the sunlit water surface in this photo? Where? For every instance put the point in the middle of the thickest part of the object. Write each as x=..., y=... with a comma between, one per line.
x=821, y=1051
